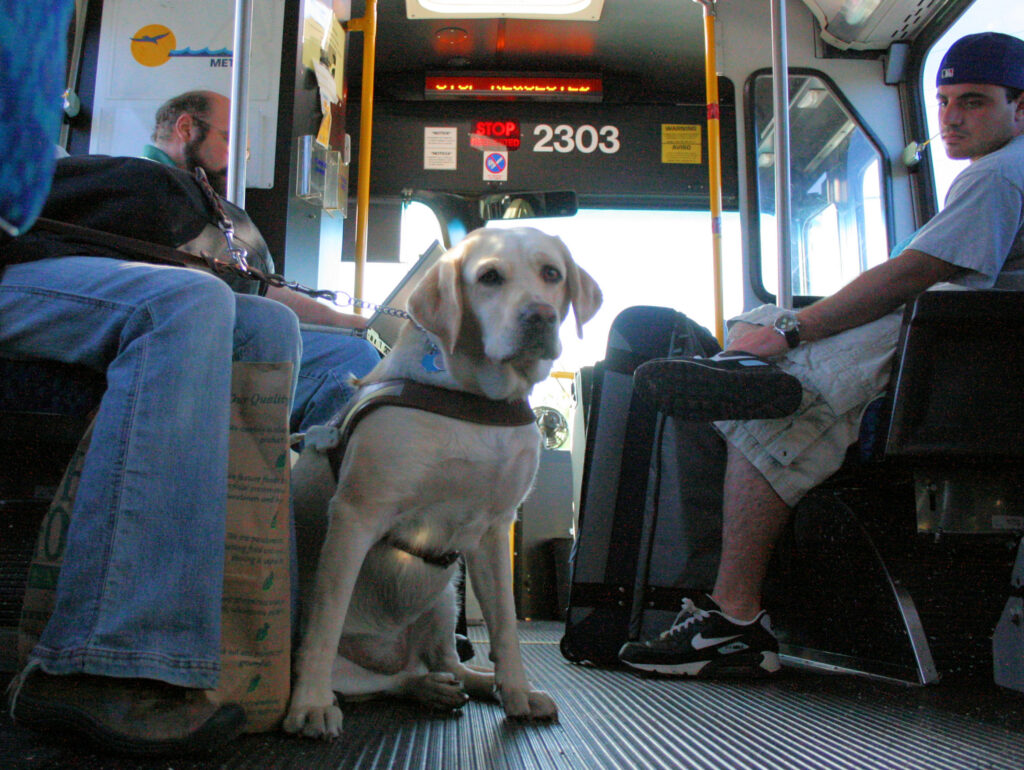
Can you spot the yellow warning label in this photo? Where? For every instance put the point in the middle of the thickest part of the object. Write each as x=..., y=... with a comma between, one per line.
x=680, y=143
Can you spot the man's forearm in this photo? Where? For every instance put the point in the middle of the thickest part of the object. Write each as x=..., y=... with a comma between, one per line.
x=310, y=311
x=873, y=294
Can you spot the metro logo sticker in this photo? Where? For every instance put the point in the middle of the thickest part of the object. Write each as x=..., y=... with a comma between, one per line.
x=155, y=44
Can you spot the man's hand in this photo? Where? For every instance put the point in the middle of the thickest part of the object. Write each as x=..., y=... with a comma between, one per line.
x=761, y=341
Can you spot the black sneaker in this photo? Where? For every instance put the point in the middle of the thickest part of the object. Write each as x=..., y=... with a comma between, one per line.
x=729, y=386
x=703, y=642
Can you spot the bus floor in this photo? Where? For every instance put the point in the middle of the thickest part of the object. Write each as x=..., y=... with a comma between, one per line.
x=611, y=718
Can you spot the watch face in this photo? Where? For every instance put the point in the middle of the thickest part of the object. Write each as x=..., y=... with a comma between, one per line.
x=786, y=323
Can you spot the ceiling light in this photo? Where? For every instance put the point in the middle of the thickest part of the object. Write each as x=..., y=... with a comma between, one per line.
x=811, y=98
x=452, y=35
x=574, y=10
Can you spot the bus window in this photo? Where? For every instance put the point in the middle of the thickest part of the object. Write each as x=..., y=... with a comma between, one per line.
x=640, y=258
x=873, y=215
x=837, y=186
x=419, y=229
x=821, y=233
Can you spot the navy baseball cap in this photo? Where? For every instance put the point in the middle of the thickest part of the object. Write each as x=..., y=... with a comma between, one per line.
x=988, y=57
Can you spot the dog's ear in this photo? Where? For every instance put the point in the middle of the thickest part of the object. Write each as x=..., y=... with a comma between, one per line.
x=584, y=293
x=436, y=303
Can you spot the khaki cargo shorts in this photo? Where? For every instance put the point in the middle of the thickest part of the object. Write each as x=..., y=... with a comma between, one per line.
x=841, y=375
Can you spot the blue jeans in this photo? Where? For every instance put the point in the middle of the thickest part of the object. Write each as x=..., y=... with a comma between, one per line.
x=328, y=360
x=139, y=593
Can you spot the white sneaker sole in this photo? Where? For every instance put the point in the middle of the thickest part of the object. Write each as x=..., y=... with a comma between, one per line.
x=725, y=666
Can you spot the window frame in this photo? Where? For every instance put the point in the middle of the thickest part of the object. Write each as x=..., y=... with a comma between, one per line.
x=752, y=208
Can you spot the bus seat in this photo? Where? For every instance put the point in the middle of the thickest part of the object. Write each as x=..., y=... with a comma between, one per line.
x=954, y=412
x=956, y=389
x=927, y=511
x=45, y=407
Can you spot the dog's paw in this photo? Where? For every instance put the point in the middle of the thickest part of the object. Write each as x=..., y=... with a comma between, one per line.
x=528, y=704
x=314, y=721
x=438, y=690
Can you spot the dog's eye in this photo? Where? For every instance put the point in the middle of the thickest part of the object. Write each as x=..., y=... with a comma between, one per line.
x=491, y=278
x=551, y=274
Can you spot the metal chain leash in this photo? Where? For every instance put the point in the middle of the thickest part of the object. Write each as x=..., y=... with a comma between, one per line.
x=224, y=223
x=331, y=296
x=240, y=266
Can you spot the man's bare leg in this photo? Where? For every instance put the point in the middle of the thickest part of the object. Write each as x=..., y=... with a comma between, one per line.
x=753, y=519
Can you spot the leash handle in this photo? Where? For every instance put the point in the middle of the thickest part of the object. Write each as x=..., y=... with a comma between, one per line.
x=224, y=223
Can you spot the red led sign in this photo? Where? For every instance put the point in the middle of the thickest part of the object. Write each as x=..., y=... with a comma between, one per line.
x=493, y=134
x=534, y=87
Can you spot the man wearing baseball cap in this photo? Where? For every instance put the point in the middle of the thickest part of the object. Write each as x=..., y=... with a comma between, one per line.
x=794, y=385
x=980, y=73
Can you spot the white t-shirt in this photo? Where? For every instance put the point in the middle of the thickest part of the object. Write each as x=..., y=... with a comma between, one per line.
x=981, y=227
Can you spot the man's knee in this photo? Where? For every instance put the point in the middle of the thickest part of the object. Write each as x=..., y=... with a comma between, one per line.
x=266, y=330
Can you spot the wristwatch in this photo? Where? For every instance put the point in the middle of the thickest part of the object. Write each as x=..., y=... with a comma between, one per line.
x=788, y=325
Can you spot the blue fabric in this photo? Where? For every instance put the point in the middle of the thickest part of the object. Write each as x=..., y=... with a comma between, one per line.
x=140, y=590
x=32, y=56
x=328, y=360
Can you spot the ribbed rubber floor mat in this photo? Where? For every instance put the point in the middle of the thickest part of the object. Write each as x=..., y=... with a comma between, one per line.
x=614, y=719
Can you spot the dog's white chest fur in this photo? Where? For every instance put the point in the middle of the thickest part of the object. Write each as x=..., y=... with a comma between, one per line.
x=446, y=480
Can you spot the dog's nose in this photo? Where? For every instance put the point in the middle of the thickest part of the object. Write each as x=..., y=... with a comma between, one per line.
x=539, y=330
x=539, y=315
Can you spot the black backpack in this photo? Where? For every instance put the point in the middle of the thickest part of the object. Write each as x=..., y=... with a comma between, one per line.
x=140, y=199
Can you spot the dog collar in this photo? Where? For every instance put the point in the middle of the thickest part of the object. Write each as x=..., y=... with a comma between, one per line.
x=442, y=560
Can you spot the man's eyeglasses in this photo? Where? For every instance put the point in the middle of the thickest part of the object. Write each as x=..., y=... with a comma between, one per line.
x=224, y=134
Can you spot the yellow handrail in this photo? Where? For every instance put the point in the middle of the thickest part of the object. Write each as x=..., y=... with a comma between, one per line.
x=714, y=163
x=367, y=24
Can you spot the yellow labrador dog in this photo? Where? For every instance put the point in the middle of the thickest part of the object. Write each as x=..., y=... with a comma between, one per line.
x=415, y=489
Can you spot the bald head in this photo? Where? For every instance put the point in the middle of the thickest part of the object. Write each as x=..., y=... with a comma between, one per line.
x=192, y=128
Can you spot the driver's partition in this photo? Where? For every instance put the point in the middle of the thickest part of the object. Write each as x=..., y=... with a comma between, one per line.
x=900, y=565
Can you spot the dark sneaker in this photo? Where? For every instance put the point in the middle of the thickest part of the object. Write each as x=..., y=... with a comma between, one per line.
x=127, y=716
x=729, y=386
x=704, y=642
x=464, y=647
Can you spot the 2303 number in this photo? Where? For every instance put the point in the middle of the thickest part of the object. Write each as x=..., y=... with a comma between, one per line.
x=585, y=139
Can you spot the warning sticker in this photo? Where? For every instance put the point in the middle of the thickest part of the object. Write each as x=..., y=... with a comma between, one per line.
x=440, y=145
x=680, y=143
x=495, y=166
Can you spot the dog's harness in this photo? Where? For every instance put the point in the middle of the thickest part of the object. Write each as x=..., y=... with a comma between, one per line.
x=332, y=439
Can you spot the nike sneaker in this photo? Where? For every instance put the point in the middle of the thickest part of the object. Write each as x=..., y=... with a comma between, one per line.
x=705, y=642
x=732, y=385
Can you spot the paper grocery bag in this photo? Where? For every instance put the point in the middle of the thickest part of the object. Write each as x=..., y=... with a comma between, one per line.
x=256, y=614
x=256, y=611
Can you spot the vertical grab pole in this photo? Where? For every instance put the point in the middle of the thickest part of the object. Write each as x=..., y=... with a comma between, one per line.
x=714, y=162
x=238, y=121
x=368, y=26
x=780, y=104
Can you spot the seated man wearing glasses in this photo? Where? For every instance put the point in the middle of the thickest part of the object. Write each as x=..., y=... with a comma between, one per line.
x=191, y=132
